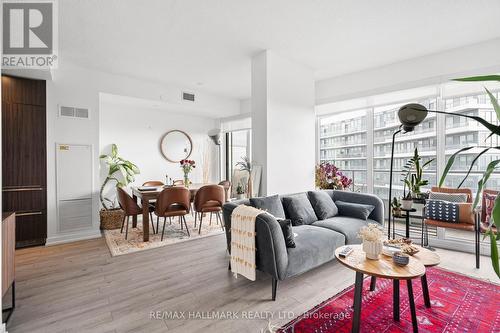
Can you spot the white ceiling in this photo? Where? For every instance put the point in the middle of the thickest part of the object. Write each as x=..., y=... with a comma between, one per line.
x=207, y=45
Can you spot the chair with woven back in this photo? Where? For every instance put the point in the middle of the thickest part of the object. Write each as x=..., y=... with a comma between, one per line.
x=131, y=208
x=473, y=225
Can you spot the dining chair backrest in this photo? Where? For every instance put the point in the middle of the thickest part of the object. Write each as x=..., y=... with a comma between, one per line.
x=178, y=182
x=127, y=203
x=483, y=203
x=153, y=183
x=467, y=191
x=172, y=196
x=209, y=193
x=227, y=185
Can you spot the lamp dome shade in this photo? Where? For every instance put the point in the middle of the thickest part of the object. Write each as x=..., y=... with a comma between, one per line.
x=216, y=136
x=410, y=115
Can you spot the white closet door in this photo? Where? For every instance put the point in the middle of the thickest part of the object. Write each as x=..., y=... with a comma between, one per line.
x=74, y=186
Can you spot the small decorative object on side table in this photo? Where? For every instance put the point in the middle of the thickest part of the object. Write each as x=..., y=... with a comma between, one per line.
x=372, y=240
x=383, y=268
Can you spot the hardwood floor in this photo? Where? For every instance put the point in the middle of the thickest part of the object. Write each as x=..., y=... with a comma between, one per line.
x=79, y=287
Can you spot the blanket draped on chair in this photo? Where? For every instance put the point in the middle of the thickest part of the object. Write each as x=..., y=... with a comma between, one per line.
x=243, y=241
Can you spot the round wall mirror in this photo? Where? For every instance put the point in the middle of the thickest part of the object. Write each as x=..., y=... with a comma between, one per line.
x=176, y=146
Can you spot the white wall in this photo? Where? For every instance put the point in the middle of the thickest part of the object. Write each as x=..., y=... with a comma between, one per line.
x=137, y=133
x=283, y=123
x=481, y=58
x=76, y=86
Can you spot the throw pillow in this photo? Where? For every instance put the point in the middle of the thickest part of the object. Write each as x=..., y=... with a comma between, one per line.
x=323, y=204
x=286, y=228
x=299, y=209
x=271, y=204
x=356, y=210
x=450, y=197
x=450, y=212
x=489, y=202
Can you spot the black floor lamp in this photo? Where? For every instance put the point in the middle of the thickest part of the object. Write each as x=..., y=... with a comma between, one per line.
x=410, y=115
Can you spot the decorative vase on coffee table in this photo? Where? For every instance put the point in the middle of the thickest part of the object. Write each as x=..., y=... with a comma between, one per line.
x=373, y=249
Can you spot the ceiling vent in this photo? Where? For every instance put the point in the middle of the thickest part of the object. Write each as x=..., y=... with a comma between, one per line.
x=74, y=112
x=188, y=97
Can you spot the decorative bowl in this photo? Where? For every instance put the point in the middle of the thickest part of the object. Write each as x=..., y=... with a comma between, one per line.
x=401, y=259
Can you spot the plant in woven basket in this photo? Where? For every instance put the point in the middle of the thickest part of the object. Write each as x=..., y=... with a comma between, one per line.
x=120, y=171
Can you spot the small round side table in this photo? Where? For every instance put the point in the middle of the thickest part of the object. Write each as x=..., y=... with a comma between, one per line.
x=382, y=268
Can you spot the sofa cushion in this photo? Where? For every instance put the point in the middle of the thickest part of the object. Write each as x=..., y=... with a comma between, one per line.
x=323, y=204
x=352, y=209
x=347, y=226
x=286, y=227
x=271, y=204
x=298, y=208
x=313, y=246
x=450, y=197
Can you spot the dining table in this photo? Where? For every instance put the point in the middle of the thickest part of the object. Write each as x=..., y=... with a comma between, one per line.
x=150, y=195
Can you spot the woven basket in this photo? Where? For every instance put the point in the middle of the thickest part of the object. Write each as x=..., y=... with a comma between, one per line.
x=111, y=219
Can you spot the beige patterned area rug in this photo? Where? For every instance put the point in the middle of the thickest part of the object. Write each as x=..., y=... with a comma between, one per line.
x=173, y=234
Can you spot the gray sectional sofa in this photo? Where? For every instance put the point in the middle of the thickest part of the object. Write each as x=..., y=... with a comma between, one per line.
x=316, y=239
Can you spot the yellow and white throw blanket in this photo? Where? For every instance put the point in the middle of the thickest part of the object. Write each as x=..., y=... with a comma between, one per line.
x=243, y=241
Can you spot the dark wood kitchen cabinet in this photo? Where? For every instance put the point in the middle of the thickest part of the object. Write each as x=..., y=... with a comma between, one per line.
x=24, y=157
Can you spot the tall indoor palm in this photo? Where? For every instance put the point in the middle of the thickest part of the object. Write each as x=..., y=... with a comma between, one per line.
x=492, y=166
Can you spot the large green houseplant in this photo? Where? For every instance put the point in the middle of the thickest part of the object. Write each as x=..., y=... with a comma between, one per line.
x=120, y=171
x=492, y=166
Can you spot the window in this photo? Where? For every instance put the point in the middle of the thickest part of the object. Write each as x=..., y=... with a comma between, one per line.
x=343, y=141
x=385, y=124
x=359, y=141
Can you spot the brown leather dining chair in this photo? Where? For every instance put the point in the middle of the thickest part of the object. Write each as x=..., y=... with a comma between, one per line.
x=173, y=202
x=153, y=183
x=474, y=227
x=209, y=199
x=131, y=208
x=227, y=186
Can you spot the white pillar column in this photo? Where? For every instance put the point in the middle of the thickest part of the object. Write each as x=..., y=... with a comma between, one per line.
x=283, y=124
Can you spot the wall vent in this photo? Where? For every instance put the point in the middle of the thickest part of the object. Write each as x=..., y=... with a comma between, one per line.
x=188, y=97
x=74, y=112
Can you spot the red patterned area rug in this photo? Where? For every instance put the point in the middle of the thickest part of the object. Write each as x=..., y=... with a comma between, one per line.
x=459, y=304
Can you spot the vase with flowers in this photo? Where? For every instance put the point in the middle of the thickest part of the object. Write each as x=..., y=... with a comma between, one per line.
x=187, y=166
x=372, y=240
x=329, y=177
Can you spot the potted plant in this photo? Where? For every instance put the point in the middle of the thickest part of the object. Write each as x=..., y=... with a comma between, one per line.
x=240, y=192
x=413, y=176
x=396, y=207
x=407, y=201
x=187, y=166
x=122, y=172
x=246, y=165
x=372, y=240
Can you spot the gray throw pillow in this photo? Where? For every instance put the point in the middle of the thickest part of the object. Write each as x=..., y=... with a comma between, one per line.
x=450, y=197
x=356, y=210
x=299, y=209
x=323, y=204
x=271, y=204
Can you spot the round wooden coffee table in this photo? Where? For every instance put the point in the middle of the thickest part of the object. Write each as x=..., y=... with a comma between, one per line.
x=428, y=258
x=382, y=268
